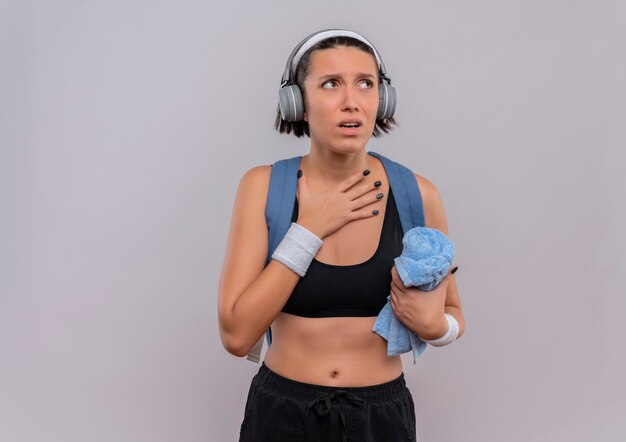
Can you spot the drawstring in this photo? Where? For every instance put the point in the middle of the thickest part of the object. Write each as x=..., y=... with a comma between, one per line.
x=323, y=404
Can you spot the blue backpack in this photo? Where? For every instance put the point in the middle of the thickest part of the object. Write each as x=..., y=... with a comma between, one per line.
x=282, y=194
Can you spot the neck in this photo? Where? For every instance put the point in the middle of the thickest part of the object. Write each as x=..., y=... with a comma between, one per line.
x=328, y=168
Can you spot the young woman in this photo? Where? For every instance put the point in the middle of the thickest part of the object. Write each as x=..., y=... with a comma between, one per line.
x=326, y=375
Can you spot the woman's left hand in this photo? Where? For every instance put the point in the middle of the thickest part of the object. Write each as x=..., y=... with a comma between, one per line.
x=418, y=309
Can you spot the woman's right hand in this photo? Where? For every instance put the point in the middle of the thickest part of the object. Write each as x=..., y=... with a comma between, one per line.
x=326, y=212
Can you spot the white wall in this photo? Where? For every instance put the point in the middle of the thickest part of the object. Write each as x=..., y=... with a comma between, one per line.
x=126, y=126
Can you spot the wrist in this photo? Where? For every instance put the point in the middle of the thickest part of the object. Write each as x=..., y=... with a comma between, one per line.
x=311, y=227
x=449, y=336
x=297, y=248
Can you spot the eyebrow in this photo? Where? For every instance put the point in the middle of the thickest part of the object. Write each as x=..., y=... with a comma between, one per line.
x=360, y=74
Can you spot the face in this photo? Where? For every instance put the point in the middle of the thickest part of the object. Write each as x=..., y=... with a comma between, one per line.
x=342, y=83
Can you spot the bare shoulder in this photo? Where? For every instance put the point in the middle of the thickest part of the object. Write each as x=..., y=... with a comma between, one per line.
x=434, y=211
x=260, y=172
x=252, y=193
x=248, y=216
x=255, y=182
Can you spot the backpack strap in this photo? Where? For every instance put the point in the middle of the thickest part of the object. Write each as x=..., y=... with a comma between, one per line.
x=280, y=199
x=405, y=191
x=281, y=195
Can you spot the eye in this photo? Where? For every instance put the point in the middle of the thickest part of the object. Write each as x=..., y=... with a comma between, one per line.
x=368, y=82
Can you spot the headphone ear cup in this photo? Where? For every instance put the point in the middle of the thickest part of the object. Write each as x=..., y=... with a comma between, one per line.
x=291, y=103
x=386, y=101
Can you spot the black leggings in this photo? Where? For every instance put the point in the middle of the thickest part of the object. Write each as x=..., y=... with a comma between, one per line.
x=279, y=409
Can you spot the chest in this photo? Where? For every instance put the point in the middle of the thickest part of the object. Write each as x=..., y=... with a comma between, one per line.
x=359, y=289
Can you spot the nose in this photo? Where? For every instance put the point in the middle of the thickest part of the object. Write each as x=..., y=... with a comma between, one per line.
x=349, y=98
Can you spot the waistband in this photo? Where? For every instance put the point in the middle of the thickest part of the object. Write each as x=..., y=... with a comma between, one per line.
x=322, y=399
x=280, y=384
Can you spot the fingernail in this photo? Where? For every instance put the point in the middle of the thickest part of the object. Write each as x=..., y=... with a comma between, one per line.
x=375, y=212
x=299, y=173
x=379, y=196
x=454, y=269
x=377, y=184
x=366, y=172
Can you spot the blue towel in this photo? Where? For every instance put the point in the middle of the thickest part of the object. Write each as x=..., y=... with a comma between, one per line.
x=427, y=255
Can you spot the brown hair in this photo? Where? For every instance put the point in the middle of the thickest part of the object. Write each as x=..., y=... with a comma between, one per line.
x=301, y=128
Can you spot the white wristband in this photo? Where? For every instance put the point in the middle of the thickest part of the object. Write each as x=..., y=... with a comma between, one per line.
x=297, y=248
x=449, y=336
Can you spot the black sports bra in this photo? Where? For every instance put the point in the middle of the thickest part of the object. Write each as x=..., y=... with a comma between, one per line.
x=328, y=290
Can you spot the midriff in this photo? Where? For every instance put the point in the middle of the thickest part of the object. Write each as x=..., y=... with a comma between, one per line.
x=334, y=351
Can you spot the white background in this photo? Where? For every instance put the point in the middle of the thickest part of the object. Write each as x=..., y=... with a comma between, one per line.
x=125, y=127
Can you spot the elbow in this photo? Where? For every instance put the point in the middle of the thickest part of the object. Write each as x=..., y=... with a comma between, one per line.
x=230, y=337
x=236, y=340
x=234, y=344
x=237, y=350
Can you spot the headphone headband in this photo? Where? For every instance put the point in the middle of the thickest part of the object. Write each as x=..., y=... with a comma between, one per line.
x=316, y=37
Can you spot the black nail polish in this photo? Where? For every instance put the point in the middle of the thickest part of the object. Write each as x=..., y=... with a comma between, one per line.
x=377, y=184
x=375, y=212
x=366, y=172
x=379, y=196
x=299, y=173
x=454, y=269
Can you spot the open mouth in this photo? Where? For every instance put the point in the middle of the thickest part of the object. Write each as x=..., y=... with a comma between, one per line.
x=350, y=127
